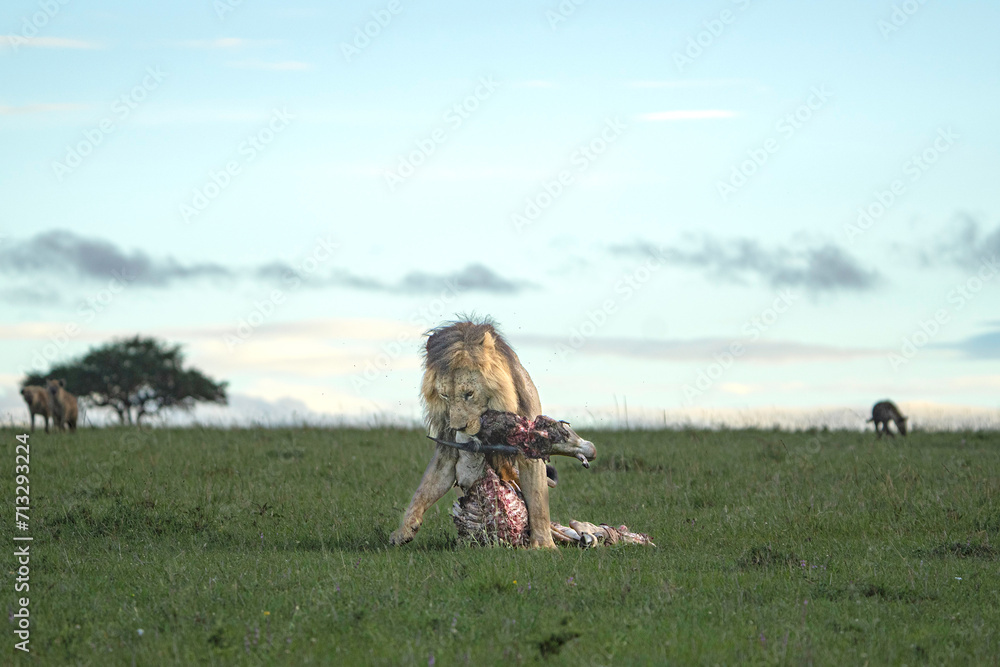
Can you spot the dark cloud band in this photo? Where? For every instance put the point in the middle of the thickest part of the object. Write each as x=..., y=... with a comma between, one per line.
x=823, y=268
x=88, y=258
x=93, y=259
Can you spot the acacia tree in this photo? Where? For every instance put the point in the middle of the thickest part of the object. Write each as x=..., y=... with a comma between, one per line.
x=137, y=378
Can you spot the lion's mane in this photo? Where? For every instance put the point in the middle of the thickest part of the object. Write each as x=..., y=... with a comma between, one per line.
x=475, y=345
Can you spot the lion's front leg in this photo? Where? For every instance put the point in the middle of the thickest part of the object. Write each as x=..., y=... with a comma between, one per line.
x=534, y=486
x=437, y=480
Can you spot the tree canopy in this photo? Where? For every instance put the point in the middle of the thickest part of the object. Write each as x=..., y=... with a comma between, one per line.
x=136, y=377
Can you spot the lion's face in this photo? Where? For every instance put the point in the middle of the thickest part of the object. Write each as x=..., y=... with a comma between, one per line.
x=467, y=370
x=466, y=397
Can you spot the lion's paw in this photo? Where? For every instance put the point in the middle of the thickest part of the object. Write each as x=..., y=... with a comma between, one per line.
x=544, y=543
x=401, y=536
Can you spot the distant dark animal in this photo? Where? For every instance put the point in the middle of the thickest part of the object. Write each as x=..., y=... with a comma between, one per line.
x=38, y=404
x=64, y=407
x=884, y=412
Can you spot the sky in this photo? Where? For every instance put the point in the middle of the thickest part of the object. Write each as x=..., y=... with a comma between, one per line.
x=683, y=212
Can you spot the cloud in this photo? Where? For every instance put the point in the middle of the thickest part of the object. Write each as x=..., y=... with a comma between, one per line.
x=823, y=268
x=16, y=41
x=706, y=349
x=368, y=331
x=6, y=110
x=356, y=329
x=30, y=295
x=472, y=278
x=965, y=244
x=688, y=114
x=277, y=355
x=64, y=252
x=981, y=346
x=281, y=66
x=291, y=404
x=225, y=43
x=696, y=83
x=984, y=383
x=341, y=278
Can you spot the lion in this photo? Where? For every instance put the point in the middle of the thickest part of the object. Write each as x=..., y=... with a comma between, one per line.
x=38, y=404
x=468, y=369
x=64, y=407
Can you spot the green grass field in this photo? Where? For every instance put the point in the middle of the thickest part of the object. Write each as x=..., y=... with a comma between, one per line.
x=192, y=546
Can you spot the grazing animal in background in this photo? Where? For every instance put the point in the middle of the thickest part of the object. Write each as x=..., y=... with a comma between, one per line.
x=492, y=511
x=64, y=407
x=468, y=369
x=39, y=403
x=884, y=412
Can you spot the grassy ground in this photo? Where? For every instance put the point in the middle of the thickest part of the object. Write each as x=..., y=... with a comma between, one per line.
x=269, y=547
